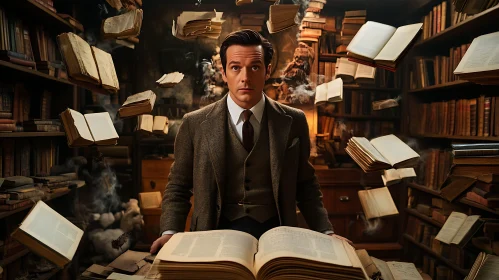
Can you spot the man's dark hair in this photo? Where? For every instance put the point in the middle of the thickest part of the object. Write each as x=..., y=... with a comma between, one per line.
x=246, y=37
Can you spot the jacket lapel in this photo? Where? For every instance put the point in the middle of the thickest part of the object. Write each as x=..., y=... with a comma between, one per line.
x=279, y=127
x=214, y=133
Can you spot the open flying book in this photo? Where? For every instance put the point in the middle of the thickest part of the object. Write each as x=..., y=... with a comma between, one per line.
x=351, y=71
x=381, y=153
x=382, y=45
x=281, y=17
x=329, y=92
x=377, y=203
x=480, y=63
x=394, y=176
x=48, y=234
x=88, y=64
x=484, y=268
x=190, y=25
x=281, y=253
x=124, y=25
x=84, y=130
x=459, y=228
x=138, y=104
x=170, y=80
x=397, y=270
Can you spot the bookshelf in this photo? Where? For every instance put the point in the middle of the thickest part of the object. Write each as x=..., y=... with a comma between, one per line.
x=428, y=117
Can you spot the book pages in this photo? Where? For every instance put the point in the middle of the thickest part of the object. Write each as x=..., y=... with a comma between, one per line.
x=211, y=246
x=465, y=228
x=187, y=16
x=364, y=71
x=370, y=39
x=482, y=55
x=52, y=229
x=399, y=42
x=383, y=268
x=81, y=125
x=79, y=58
x=141, y=96
x=393, y=149
x=369, y=149
x=145, y=123
x=451, y=226
x=150, y=199
x=101, y=126
x=404, y=271
x=346, y=67
x=128, y=24
x=488, y=269
x=300, y=243
x=107, y=72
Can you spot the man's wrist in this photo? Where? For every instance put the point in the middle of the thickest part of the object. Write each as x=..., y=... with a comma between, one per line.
x=168, y=232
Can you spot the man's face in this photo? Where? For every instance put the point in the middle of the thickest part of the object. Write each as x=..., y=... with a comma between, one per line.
x=245, y=74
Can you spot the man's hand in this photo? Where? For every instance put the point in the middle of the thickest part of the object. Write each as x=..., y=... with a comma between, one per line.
x=341, y=238
x=158, y=244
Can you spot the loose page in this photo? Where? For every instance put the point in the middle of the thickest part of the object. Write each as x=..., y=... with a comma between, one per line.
x=393, y=149
x=101, y=126
x=52, y=229
x=214, y=245
x=451, y=226
x=465, y=227
x=369, y=149
x=370, y=39
x=300, y=243
x=483, y=55
x=399, y=42
x=81, y=125
x=404, y=271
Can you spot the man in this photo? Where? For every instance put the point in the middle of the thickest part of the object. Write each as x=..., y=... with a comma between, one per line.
x=245, y=157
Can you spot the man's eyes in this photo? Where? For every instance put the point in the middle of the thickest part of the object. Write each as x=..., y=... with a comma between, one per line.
x=237, y=68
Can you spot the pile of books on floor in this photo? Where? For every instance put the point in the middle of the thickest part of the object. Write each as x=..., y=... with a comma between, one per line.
x=190, y=25
x=254, y=22
x=281, y=17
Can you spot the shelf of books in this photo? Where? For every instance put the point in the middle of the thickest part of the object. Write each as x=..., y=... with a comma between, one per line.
x=454, y=117
x=30, y=134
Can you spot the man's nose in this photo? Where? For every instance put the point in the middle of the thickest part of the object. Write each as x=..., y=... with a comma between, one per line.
x=244, y=75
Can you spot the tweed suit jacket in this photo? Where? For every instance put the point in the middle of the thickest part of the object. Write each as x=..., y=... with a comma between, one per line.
x=200, y=169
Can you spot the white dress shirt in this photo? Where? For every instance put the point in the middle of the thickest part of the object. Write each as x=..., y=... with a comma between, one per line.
x=236, y=121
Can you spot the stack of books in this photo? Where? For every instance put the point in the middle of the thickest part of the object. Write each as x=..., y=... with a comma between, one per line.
x=190, y=25
x=312, y=24
x=281, y=17
x=252, y=21
x=351, y=24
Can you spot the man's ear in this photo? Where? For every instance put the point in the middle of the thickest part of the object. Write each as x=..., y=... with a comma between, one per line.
x=224, y=77
x=267, y=73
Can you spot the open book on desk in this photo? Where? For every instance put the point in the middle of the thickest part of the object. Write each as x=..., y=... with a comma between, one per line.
x=281, y=253
x=382, y=45
x=381, y=153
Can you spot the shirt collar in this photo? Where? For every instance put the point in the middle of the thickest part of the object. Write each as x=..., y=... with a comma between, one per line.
x=235, y=110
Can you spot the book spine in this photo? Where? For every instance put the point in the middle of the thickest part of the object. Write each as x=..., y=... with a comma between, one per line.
x=486, y=117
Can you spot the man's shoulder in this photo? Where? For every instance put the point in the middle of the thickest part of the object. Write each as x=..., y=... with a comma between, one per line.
x=199, y=114
x=288, y=110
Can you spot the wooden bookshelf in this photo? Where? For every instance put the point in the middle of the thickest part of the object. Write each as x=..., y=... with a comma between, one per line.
x=330, y=57
x=30, y=134
x=423, y=189
x=442, y=86
x=415, y=213
x=31, y=74
x=371, y=88
x=479, y=24
x=363, y=117
x=457, y=137
x=49, y=275
x=14, y=257
x=43, y=15
x=478, y=205
x=428, y=250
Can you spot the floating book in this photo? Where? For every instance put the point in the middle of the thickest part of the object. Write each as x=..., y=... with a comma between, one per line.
x=190, y=25
x=377, y=203
x=88, y=129
x=480, y=63
x=48, y=234
x=484, y=268
x=138, y=104
x=88, y=64
x=124, y=25
x=281, y=17
x=397, y=270
x=459, y=228
x=150, y=199
x=170, y=80
x=381, y=153
x=231, y=254
x=351, y=71
x=394, y=176
x=160, y=125
x=386, y=44
x=384, y=104
x=145, y=123
x=329, y=92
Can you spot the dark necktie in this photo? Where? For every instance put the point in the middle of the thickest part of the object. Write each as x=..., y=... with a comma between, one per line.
x=247, y=131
